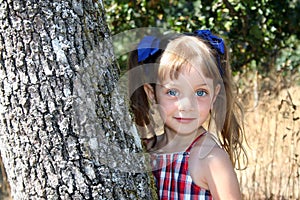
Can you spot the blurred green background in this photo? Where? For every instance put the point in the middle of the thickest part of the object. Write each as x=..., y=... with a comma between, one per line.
x=263, y=35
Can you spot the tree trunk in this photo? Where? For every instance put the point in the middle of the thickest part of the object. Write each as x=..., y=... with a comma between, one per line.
x=64, y=135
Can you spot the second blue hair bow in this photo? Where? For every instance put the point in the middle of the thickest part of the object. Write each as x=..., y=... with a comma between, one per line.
x=216, y=42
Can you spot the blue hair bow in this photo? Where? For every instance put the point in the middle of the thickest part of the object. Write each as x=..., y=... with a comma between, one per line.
x=216, y=43
x=148, y=46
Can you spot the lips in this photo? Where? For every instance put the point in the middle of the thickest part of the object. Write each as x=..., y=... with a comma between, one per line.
x=184, y=120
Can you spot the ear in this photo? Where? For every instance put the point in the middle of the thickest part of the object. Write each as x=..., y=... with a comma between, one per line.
x=149, y=92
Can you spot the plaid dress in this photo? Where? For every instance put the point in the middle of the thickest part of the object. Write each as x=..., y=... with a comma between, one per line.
x=173, y=178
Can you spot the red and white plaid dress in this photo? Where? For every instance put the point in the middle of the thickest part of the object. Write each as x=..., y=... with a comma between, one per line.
x=173, y=178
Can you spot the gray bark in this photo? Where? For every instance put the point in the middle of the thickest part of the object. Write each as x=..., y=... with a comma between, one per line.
x=65, y=131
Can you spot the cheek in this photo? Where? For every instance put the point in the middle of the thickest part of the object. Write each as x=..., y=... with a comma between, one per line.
x=165, y=109
x=204, y=106
x=158, y=114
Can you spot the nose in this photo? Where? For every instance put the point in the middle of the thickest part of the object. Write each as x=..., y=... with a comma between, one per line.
x=186, y=103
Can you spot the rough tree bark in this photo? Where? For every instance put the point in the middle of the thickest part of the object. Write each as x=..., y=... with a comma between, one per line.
x=65, y=133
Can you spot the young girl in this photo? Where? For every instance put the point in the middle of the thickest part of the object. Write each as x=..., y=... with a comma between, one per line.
x=188, y=79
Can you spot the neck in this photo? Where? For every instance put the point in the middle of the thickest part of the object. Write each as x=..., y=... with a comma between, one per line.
x=175, y=142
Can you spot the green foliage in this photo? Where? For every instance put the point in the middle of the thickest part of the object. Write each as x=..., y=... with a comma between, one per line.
x=264, y=31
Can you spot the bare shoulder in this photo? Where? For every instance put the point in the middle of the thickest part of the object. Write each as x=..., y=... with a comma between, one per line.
x=217, y=156
x=206, y=146
x=211, y=153
x=208, y=154
x=212, y=169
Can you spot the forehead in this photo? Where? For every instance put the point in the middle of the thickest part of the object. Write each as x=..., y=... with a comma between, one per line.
x=175, y=67
x=187, y=76
x=183, y=54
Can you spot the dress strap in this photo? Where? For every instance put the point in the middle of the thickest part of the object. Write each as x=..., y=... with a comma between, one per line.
x=192, y=144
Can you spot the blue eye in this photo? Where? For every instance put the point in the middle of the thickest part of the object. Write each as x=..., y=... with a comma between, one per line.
x=201, y=93
x=173, y=93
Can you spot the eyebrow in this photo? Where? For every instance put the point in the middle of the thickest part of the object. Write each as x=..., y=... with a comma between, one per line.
x=202, y=84
x=168, y=85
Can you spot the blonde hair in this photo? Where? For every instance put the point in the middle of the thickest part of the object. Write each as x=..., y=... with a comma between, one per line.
x=191, y=51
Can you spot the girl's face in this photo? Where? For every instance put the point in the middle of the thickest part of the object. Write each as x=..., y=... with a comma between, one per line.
x=185, y=102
